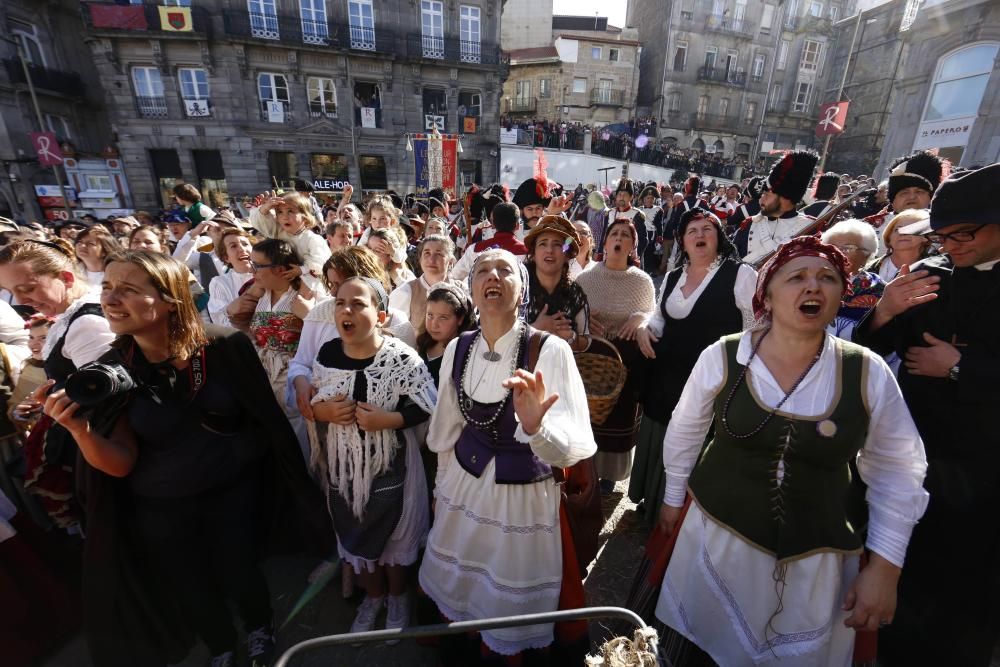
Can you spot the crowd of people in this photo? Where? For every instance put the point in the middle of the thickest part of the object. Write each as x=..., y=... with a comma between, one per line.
x=416, y=388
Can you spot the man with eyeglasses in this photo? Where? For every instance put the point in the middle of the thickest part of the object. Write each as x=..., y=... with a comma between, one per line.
x=942, y=317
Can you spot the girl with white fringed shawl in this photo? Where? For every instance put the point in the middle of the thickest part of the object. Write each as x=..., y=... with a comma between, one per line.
x=371, y=390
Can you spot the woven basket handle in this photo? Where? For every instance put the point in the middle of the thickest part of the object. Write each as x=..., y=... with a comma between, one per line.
x=608, y=343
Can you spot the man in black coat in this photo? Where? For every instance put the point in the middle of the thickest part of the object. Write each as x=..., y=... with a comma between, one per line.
x=942, y=317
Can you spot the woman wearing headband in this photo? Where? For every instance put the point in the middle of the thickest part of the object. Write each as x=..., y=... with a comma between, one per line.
x=371, y=391
x=621, y=298
x=500, y=544
x=47, y=276
x=705, y=298
x=766, y=566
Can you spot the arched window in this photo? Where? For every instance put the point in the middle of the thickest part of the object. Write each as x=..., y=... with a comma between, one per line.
x=719, y=146
x=960, y=81
x=698, y=145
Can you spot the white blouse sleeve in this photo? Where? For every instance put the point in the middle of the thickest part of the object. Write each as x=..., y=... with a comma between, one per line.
x=463, y=267
x=220, y=295
x=267, y=225
x=746, y=285
x=563, y=438
x=446, y=421
x=691, y=420
x=655, y=323
x=893, y=465
x=87, y=339
x=314, y=252
x=399, y=298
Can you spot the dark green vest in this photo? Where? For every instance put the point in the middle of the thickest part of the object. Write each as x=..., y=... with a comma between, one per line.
x=736, y=481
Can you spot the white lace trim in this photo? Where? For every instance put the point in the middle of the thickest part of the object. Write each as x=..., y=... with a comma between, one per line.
x=349, y=461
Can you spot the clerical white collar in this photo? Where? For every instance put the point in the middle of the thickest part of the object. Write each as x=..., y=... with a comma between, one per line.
x=987, y=266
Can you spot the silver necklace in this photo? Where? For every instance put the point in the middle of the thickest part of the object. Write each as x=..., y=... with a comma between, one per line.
x=465, y=402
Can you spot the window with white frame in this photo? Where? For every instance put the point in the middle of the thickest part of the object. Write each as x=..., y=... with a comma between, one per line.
x=703, y=103
x=263, y=18
x=26, y=36
x=775, y=98
x=614, y=55
x=674, y=102
x=783, y=54
x=803, y=91
x=432, y=28
x=470, y=29
x=960, y=82
x=816, y=9
x=99, y=182
x=322, y=97
x=739, y=14
x=149, y=92
x=680, y=56
x=834, y=13
x=59, y=126
x=711, y=56
x=759, y=62
x=194, y=91
x=545, y=88
x=314, y=27
x=361, y=24
x=522, y=90
x=596, y=52
x=811, y=52
x=271, y=89
x=791, y=12
x=579, y=85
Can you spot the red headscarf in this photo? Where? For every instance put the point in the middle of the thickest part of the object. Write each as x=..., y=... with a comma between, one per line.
x=800, y=246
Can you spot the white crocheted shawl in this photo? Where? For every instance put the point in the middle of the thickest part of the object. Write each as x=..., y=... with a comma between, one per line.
x=347, y=459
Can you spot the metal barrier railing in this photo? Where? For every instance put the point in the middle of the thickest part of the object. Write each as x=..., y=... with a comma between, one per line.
x=460, y=627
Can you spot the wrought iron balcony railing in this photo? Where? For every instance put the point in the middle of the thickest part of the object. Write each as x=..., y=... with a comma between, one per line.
x=58, y=81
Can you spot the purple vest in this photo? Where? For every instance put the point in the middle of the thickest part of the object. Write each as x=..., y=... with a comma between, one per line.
x=515, y=462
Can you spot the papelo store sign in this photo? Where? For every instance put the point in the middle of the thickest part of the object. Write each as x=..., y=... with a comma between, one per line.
x=944, y=133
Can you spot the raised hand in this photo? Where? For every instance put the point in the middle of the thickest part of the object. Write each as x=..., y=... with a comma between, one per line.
x=530, y=402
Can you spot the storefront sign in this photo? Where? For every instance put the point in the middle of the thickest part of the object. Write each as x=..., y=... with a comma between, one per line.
x=944, y=133
x=325, y=184
x=53, y=191
x=56, y=214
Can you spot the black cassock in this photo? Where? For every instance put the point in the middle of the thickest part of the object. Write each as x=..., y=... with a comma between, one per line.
x=947, y=609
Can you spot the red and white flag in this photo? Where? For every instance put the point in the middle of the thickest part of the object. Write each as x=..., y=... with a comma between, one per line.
x=832, y=118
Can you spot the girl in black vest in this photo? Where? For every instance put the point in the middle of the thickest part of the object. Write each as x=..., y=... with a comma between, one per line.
x=47, y=276
x=707, y=297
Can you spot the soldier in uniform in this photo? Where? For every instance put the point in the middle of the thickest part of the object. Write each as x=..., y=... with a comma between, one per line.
x=826, y=190
x=912, y=182
x=750, y=206
x=778, y=220
x=653, y=217
x=533, y=197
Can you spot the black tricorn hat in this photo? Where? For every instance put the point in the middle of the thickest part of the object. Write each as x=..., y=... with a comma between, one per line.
x=921, y=170
x=483, y=201
x=790, y=176
x=625, y=185
x=959, y=199
x=532, y=192
x=826, y=186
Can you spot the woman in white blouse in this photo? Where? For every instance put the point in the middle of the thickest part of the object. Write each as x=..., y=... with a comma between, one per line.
x=707, y=297
x=766, y=566
x=233, y=248
x=93, y=247
x=436, y=255
x=46, y=276
x=495, y=548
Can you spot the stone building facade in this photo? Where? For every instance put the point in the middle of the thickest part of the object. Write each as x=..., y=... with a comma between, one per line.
x=587, y=73
x=872, y=66
x=947, y=91
x=257, y=93
x=737, y=77
x=70, y=102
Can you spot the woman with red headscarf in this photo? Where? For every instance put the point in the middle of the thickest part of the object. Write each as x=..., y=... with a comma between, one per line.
x=766, y=566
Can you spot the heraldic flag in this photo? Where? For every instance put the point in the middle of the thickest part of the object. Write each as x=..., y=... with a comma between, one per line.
x=175, y=19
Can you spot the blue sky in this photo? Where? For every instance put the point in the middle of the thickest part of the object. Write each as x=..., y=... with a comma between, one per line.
x=613, y=9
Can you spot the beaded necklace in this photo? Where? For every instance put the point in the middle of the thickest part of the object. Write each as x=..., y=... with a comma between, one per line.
x=465, y=401
x=742, y=377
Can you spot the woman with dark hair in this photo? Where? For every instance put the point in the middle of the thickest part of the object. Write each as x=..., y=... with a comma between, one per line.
x=233, y=248
x=176, y=478
x=707, y=297
x=765, y=570
x=621, y=298
x=277, y=321
x=93, y=247
x=556, y=303
x=449, y=313
x=46, y=276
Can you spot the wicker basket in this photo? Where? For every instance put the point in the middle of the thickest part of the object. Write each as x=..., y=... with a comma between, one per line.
x=603, y=378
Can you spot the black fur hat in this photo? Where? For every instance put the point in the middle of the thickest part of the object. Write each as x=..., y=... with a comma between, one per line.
x=483, y=201
x=921, y=170
x=826, y=186
x=755, y=188
x=790, y=176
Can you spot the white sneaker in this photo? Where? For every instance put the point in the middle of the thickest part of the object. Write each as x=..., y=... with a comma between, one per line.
x=367, y=613
x=399, y=614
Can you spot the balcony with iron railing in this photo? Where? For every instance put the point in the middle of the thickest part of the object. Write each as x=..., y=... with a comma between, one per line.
x=522, y=104
x=116, y=17
x=729, y=26
x=151, y=106
x=607, y=97
x=730, y=77
x=44, y=78
x=710, y=121
x=452, y=50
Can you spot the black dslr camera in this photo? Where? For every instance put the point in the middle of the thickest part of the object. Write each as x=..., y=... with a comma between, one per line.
x=96, y=383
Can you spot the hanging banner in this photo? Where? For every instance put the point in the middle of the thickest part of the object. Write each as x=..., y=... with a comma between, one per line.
x=832, y=118
x=46, y=148
x=175, y=19
x=435, y=159
x=368, y=117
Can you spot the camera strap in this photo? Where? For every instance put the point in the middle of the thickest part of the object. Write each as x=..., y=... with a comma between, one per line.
x=197, y=372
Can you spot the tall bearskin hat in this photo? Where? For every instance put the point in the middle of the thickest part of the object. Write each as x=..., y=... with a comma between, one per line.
x=692, y=186
x=481, y=202
x=437, y=197
x=790, y=176
x=755, y=188
x=921, y=169
x=826, y=186
x=650, y=189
